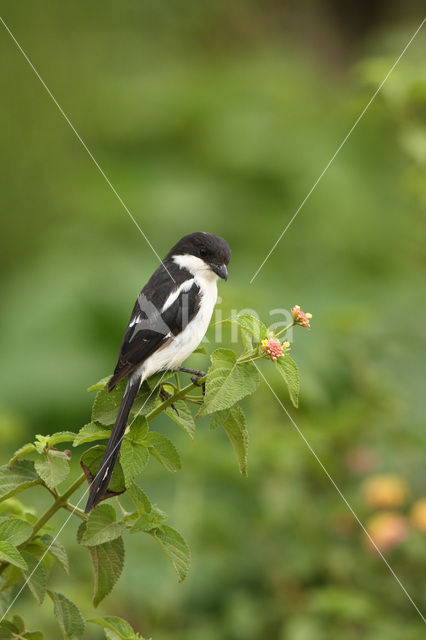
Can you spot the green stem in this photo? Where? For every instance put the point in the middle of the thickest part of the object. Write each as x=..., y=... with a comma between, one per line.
x=285, y=329
x=176, y=396
x=76, y=511
x=61, y=502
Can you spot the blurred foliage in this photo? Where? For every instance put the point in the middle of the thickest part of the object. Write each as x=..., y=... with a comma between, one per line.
x=217, y=117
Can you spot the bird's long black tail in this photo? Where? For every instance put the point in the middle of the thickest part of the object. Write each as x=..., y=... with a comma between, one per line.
x=100, y=482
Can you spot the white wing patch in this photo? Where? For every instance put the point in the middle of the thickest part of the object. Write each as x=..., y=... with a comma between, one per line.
x=185, y=286
x=135, y=320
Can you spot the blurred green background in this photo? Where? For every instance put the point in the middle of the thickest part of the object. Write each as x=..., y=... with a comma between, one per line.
x=220, y=116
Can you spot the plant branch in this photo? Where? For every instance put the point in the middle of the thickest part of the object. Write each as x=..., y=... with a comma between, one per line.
x=179, y=395
x=61, y=502
x=285, y=329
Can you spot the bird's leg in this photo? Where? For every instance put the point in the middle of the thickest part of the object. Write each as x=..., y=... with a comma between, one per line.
x=165, y=395
x=196, y=376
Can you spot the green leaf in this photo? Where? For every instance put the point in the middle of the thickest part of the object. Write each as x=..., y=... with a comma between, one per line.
x=35, y=576
x=154, y=381
x=106, y=404
x=146, y=522
x=139, y=497
x=183, y=417
x=26, y=450
x=250, y=325
x=19, y=623
x=163, y=450
x=21, y=477
x=101, y=384
x=234, y=422
x=288, y=369
x=15, y=530
x=61, y=436
x=101, y=526
x=107, y=563
x=10, y=554
x=52, y=470
x=134, y=453
x=90, y=462
x=91, y=432
x=10, y=631
x=227, y=381
x=68, y=616
x=149, y=521
x=119, y=626
x=200, y=349
x=175, y=548
x=57, y=550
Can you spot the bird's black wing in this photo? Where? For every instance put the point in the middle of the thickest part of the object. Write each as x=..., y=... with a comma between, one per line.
x=151, y=329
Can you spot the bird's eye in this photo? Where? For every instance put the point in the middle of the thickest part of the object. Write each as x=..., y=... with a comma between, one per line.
x=203, y=252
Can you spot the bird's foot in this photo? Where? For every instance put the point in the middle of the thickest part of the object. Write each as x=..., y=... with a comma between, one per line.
x=165, y=395
x=196, y=380
x=197, y=375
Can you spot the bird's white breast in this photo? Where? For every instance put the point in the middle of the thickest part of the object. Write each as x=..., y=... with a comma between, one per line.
x=184, y=344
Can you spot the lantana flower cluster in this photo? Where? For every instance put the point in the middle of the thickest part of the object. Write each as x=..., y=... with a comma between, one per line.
x=300, y=317
x=274, y=348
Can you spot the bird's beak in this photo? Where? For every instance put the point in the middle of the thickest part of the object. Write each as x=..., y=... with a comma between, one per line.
x=220, y=270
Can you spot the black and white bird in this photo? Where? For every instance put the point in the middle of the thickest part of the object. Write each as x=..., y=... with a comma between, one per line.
x=168, y=321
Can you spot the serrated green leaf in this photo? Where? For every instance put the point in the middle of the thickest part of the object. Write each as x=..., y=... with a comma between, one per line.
x=15, y=530
x=134, y=454
x=227, y=381
x=61, y=436
x=183, y=417
x=90, y=433
x=148, y=521
x=163, y=450
x=107, y=563
x=52, y=470
x=119, y=626
x=68, y=616
x=106, y=404
x=101, y=526
x=26, y=450
x=35, y=576
x=33, y=635
x=234, y=422
x=139, y=497
x=57, y=550
x=175, y=548
x=249, y=324
x=289, y=371
x=22, y=476
x=9, y=553
x=91, y=460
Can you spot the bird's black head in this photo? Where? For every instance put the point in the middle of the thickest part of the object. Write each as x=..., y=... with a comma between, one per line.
x=202, y=251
